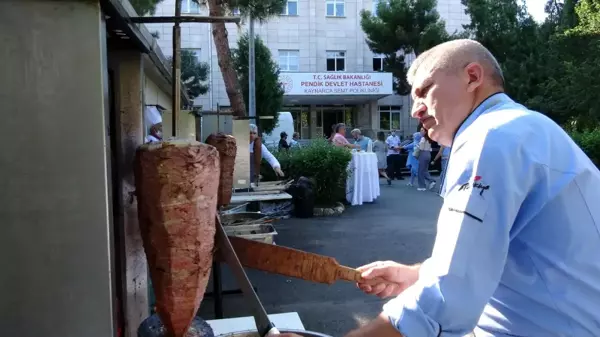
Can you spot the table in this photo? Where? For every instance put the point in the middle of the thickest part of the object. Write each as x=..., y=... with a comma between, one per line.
x=288, y=320
x=363, y=179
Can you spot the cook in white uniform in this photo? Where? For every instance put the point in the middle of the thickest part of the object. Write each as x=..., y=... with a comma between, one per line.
x=266, y=154
x=154, y=124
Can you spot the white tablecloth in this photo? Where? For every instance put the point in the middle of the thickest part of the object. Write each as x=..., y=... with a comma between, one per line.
x=363, y=179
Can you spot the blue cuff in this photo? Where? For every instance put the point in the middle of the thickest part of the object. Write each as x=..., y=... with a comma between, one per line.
x=408, y=318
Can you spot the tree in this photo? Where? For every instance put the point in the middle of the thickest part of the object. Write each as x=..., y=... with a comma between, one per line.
x=402, y=27
x=143, y=7
x=194, y=74
x=260, y=11
x=269, y=92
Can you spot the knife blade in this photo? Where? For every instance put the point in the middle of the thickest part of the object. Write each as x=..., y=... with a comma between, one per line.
x=264, y=325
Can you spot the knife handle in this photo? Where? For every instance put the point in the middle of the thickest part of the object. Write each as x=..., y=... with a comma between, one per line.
x=348, y=274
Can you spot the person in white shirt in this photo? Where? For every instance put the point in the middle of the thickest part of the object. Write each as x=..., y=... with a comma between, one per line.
x=266, y=154
x=393, y=156
x=154, y=124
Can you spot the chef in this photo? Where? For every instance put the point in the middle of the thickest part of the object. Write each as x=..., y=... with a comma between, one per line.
x=266, y=155
x=154, y=124
x=517, y=251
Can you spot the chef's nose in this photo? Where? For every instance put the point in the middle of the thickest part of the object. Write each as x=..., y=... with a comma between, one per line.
x=418, y=110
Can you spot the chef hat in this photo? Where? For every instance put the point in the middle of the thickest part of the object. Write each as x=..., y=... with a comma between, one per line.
x=152, y=115
x=253, y=128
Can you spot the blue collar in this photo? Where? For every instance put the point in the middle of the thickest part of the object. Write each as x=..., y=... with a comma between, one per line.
x=487, y=104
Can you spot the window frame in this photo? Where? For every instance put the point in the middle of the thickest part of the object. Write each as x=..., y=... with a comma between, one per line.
x=335, y=3
x=186, y=7
x=287, y=56
x=286, y=11
x=380, y=57
x=335, y=58
x=390, y=110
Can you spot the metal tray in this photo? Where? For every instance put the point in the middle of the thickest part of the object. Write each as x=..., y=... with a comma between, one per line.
x=235, y=219
x=259, y=232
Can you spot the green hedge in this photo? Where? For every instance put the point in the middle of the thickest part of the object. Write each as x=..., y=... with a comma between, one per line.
x=326, y=164
x=589, y=141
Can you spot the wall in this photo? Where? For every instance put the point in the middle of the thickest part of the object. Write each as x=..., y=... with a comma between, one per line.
x=153, y=95
x=55, y=204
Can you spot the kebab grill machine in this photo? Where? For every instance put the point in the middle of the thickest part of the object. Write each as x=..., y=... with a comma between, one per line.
x=180, y=186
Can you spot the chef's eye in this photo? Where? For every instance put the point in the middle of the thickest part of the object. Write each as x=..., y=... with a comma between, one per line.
x=423, y=91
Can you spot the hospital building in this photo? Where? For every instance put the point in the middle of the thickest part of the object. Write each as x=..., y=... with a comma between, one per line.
x=328, y=71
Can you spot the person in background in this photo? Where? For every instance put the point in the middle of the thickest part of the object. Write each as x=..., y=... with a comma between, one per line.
x=295, y=138
x=339, y=138
x=154, y=123
x=266, y=154
x=283, y=144
x=423, y=177
x=360, y=140
x=412, y=162
x=443, y=153
x=380, y=149
x=393, y=156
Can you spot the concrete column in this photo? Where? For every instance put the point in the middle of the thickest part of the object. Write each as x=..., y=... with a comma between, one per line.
x=55, y=199
x=129, y=86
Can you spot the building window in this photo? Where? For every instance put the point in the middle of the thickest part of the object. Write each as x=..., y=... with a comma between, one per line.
x=378, y=62
x=389, y=117
x=190, y=7
x=336, y=61
x=335, y=7
x=291, y=8
x=289, y=60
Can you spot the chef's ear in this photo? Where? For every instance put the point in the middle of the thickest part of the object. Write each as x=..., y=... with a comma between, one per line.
x=474, y=74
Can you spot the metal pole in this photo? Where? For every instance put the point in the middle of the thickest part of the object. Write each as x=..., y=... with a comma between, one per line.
x=251, y=73
x=176, y=95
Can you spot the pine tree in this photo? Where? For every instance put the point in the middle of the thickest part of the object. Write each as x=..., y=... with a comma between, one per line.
x=399, y=28
x=269, y=92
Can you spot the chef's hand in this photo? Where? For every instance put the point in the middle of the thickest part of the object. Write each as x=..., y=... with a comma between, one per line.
x=279, y=172
x=387, y=278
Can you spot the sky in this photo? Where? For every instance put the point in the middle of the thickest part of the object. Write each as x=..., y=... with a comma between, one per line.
x=536, y=9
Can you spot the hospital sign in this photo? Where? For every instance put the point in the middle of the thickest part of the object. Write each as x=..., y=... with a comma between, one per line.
x=376, y=83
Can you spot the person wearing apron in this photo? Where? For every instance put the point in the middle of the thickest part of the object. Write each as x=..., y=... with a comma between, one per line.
x=265, y=153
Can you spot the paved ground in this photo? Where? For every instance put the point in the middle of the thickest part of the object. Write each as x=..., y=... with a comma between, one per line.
x=399, y=226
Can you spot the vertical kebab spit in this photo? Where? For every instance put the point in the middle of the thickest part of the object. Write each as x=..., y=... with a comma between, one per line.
x=176, y=186
x=227, y=148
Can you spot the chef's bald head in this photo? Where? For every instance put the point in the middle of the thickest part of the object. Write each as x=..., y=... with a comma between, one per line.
x=454, y=56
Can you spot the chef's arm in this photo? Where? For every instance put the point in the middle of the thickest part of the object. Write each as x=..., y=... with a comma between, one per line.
x=269, y=157
x=380, y=327
x=471, y=246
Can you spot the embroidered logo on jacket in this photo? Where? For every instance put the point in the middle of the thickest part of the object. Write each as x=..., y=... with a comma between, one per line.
x=476, y=184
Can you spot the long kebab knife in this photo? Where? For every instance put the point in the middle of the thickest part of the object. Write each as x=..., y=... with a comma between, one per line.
x=291, y=262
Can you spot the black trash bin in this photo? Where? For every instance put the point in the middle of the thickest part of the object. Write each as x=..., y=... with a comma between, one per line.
x=303, y=194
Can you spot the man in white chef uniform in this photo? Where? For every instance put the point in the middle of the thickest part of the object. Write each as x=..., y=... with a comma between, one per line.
x=154, y=124
x=266, y=154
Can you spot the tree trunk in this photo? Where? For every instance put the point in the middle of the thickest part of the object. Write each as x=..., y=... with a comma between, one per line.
x=232, y=85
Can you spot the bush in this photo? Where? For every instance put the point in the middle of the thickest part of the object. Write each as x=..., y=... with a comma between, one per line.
x=325, y=164
x=589, y=141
